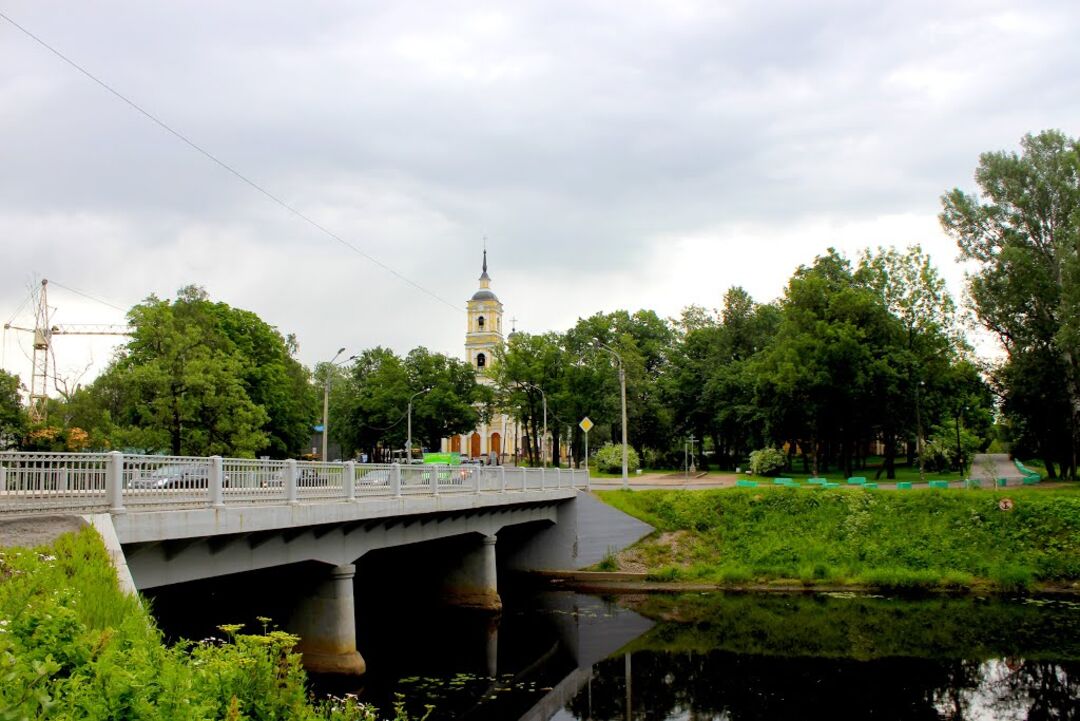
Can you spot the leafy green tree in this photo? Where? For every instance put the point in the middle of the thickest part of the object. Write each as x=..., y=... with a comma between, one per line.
x=199, y=378
x=912, y=375
x=372, y=401
x=1023, y=233
x=454, y=401
x=13, y=421
x=821, y=378
x=527, y=368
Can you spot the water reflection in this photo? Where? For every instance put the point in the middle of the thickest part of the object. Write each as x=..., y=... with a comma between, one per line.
x=737, y=657
x=561, y=656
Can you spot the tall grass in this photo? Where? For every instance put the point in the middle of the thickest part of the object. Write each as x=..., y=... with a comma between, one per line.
x=878, y=538
x=73, y=646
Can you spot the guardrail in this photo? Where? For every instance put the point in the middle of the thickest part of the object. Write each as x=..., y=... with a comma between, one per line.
x=117, y=482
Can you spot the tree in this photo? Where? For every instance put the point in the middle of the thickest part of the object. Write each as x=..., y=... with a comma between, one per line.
x=371, y=405
x=199, y=378
x=13, y=421
x=1024, y=235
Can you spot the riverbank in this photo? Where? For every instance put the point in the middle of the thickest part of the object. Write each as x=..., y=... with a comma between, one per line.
x=73, y=645
x=1019, y=540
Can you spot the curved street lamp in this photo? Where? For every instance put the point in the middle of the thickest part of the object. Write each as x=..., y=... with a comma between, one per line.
x=408, y=440
x=326, y=400
x=622, y=388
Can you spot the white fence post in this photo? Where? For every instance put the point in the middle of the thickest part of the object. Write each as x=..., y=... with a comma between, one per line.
x=290, y=481
x=502, y=479
x=114, y=482
x=476, y=475
x=348, y=481
x=62, y=479
x=558, y=476
x=435, y=479
x=543, y=478
x=216, y=481
x=395, y=480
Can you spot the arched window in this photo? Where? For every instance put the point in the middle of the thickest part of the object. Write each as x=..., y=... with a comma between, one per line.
x=480, y=322
x=481, y=361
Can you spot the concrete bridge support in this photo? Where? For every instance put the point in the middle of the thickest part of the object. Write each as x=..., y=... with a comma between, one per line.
x=473, y=581
x=326, y=624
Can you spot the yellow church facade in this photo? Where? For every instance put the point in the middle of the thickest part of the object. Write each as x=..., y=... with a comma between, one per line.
x=497, y=440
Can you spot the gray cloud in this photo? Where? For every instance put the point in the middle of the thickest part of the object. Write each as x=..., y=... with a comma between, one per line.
x=579, y=137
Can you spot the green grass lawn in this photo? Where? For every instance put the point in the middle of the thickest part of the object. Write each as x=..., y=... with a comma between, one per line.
x=949, y=538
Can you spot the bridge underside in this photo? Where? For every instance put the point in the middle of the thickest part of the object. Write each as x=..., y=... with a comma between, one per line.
x=159, y=563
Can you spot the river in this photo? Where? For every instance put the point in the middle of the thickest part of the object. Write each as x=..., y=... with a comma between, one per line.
x=557, y=655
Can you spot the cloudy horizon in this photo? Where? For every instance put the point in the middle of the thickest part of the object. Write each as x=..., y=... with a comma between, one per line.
x=614, y=155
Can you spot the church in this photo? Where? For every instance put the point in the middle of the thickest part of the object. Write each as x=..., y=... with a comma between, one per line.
x=496, y=441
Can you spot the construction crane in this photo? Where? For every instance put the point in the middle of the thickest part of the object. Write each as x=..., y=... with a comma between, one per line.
x=42, y=332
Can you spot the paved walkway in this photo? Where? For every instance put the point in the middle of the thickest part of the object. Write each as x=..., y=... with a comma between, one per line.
x=667, y=480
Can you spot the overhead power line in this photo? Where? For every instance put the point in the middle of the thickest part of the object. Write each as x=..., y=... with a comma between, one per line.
x=88, y=296
x=225, y=166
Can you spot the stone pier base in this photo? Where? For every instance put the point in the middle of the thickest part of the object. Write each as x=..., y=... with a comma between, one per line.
x=326, y=624
x=473, y=582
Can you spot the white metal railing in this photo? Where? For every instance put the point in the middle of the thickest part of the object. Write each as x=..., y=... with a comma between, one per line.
x=31, y=482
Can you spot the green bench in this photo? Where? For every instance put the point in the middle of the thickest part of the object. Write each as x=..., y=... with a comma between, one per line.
x=743, y=483
x=816, y=481
x=830, y=484
x=1002, y=482
x=869, y=485
x=903, y=486
x=857, y=481
x=938, y=484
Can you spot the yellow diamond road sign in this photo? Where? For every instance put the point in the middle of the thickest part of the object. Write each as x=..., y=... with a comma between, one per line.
x=586, y=425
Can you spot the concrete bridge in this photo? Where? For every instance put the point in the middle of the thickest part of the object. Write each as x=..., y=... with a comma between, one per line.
x=174, y=519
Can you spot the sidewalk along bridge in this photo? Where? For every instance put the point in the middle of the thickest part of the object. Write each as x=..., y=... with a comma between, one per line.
x=170, y=519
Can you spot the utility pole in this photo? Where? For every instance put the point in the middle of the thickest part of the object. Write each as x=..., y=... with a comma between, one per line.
x=622, y=388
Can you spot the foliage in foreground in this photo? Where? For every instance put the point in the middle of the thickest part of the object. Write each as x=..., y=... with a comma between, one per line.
x=884, y=539
x=72, y=646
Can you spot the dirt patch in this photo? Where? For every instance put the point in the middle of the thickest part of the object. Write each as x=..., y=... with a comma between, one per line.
x=669, y=547
x=31, y=531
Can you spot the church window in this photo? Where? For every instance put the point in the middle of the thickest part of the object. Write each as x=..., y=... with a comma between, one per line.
x=480, y=322
x=481, y=361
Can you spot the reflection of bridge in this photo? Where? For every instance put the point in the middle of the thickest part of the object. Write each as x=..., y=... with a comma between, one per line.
x=176, y=519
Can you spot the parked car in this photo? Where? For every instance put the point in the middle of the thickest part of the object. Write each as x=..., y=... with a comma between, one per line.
x=377, y=477
x=185, y=476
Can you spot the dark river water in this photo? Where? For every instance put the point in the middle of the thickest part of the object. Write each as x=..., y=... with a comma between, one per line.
x=561, y=655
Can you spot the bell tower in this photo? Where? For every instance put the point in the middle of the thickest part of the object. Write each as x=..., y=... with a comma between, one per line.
x=484, y=332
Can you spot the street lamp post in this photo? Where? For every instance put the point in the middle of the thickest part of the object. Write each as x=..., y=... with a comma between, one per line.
x=326, y=402
x=543, y=441
x=622, y=389
x=408, y=440
x=918, y=427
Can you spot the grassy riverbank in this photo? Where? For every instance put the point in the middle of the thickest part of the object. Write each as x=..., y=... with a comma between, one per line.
x=878, y=539
x=72, y=646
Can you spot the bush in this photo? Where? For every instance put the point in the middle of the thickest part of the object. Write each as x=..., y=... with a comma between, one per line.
x=609, y=459
x=767, y=461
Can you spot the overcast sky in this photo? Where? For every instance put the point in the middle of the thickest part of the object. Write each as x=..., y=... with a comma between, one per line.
x=621, y=154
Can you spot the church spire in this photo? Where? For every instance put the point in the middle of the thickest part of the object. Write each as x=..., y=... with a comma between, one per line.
x=484, y=277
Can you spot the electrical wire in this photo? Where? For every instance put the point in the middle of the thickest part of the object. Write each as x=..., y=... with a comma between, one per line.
x=225, y=166
x=88, y=296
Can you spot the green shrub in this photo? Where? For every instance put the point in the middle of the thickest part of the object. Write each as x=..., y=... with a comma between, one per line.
x=609, y=459
x=73, y=646
x=767, y=461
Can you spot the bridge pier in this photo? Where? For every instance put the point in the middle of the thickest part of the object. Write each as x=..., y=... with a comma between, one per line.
x=473, y=582
x=326, y=624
